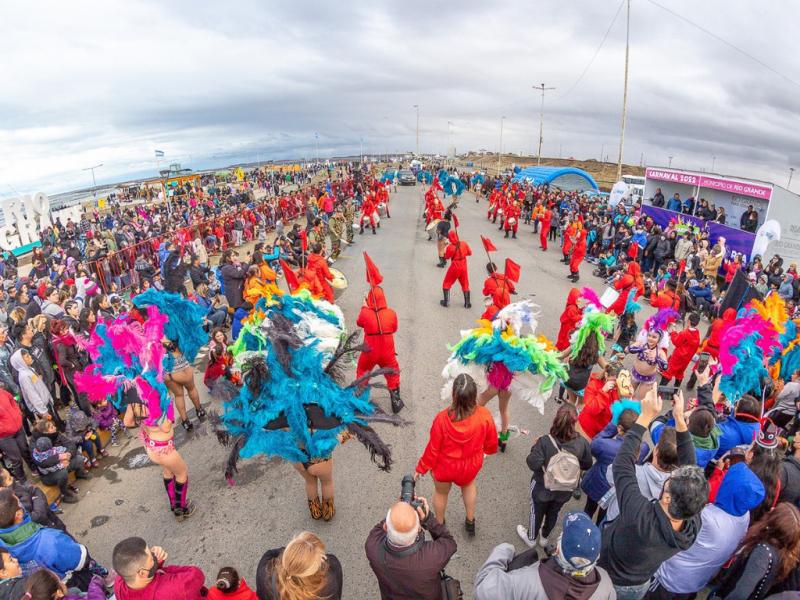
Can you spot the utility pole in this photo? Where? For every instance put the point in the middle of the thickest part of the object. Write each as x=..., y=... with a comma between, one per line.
x=602, y=151
x=713, y=160
x=791, y=172
x=670, y=162
x=641, y=160
x=94, y=182
x=417, y=107
x=542, y=89
x=500, y=153
x=624, y=92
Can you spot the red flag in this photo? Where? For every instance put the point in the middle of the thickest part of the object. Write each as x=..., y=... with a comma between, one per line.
x=512, y=270
x=488, y=245
x=291, y=276
x=374, y=276
x=304, y=240
x=455, y=219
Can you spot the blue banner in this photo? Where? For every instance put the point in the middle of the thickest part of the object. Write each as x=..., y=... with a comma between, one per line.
x=736, y=240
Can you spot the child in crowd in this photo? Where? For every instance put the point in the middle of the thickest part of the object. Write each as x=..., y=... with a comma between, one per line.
x=55, y=463
x=230, y=586
x=106, y=417
x=625, y=333
x=81, y=429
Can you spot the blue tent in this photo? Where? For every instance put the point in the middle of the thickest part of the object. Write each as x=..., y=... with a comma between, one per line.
x=565, y=178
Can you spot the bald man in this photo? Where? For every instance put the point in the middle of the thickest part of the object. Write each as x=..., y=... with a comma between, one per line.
x=406, y=564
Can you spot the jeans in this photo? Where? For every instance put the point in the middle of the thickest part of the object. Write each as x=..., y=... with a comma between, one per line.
x=15, y=449
x=92, y=447
x=61, y=478
x=631, y=592
x=217, y=317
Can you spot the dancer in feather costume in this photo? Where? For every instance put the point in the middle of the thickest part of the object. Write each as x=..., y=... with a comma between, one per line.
x=129, y=361
x=294, y=404
x=504, y=358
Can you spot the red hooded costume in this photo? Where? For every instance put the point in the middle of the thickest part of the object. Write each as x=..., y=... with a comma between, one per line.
x=596, y=413
x=686, y=343
x=578, y=251
x=319, y=265
x=569, y=319
x=632, y=280
x=379, y=323
x=457, y=253
x=499, y=288
x=711, y=345
x=547, y=218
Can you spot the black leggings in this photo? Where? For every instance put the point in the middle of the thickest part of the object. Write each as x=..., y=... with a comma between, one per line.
x=545, y=516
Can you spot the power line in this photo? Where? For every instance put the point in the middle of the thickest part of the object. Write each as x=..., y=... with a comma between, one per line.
x=596, y=52
x=726, y=42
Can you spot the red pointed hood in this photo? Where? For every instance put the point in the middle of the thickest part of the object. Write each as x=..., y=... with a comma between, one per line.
x=376, y=299
x=452, y=236
x=572, y=297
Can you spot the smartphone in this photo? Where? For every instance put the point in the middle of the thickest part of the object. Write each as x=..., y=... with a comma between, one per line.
x=667, y=391
x=702, y=361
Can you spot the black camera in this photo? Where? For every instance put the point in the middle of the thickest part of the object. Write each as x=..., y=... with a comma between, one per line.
x=407, y=486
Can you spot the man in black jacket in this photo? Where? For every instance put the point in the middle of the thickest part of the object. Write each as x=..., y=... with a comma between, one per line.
x=648, y=532
x=407, y=565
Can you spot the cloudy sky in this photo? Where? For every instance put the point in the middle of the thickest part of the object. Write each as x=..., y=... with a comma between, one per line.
x=213, y=83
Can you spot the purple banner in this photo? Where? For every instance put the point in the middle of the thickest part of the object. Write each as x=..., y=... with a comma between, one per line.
x=736, y=240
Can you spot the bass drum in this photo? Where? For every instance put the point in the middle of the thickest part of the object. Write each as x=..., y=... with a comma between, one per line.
x=339, y=283
x=382, y=209
x=432, y=225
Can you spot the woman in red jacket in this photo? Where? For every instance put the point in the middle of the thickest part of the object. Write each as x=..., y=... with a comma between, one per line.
x=460, y=436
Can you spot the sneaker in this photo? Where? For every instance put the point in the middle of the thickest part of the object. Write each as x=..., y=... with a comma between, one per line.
x=104, y=452
x=522, y=532
x=74, y=488
x=114, y=444
x=543, y=541
x=187, y=425
x=83, y=475
x=69, y=498
x=182, y=514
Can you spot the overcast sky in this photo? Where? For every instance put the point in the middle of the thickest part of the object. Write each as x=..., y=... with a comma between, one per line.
x=211, y=83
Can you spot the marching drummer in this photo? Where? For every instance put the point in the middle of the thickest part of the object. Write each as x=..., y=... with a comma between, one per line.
x=511, y=219
x=368, y=213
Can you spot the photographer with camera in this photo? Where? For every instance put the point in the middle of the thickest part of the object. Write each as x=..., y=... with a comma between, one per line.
x=407, y=565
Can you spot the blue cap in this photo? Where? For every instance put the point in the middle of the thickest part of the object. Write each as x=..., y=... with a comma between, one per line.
x=579, y=545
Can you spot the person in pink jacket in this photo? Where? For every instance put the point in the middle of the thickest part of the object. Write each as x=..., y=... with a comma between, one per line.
x=142, y=574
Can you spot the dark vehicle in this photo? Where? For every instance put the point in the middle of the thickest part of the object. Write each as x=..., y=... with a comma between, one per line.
x=406, y=177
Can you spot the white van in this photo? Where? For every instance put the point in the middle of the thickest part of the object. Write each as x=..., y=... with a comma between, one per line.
x=636, y=187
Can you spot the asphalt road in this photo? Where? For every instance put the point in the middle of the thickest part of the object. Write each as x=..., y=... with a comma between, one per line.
x=234, y=526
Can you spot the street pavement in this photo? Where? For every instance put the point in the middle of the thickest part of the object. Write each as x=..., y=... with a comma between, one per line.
x=234, y=526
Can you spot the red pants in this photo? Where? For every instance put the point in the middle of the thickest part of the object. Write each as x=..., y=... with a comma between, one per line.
x=457, y=271
x=513, y=227
x=543, y=233
x=327, y=290
x=575, y=261
x=380, y=354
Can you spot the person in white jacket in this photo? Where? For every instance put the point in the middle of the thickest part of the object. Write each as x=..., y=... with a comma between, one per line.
x=34, y=390
x=570, y=573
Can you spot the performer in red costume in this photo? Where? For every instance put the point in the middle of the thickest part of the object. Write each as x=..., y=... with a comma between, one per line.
x=319, y=264
x=569, y=319
x=498, y=288
x=666, y=298
x=379, y=323
x=686, y=343
x=457, y=253
x=569, y=240
x=367, y=211
x=631, y=282
x=511, y=219
x=547, y=218
x=578, y=252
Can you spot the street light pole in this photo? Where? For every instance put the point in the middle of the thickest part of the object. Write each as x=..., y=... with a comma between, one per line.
x=624, y=93
x=94, y=182
x=791, y=172
x=417, y=107
x=713, y=161
x=542, y=89
x=500, y=153
x=670, y=162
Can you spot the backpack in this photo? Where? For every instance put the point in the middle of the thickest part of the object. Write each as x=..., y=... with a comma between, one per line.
x=563, y=472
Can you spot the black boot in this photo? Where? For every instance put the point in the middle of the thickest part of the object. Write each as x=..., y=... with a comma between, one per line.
x=467, y=303
x=506, y=233
x=397, y=402
x=446, y=300
x=374, y=232
x=361, y=231
x=514, y=235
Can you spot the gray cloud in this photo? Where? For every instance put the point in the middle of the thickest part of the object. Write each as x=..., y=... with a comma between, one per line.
x=112, y=81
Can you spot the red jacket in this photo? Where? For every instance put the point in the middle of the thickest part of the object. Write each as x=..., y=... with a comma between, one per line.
x=10, y=415
x=632, y=280
x=175, y=583
x=243, y=592
x=457, y=251
x=455, y=449
x=596, y=413
x=665, y=299
x=375, y=318
x=498, y=287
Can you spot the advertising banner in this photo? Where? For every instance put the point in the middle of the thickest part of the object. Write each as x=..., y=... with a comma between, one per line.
x=733, y=186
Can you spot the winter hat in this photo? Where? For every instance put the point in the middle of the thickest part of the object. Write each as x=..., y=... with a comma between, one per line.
x=579, y=544
x=43, y=444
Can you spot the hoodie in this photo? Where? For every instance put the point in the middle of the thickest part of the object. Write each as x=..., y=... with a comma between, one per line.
x=455, y=449
x=34, y=391
x=636, y=543
x=28, y=541
x=724, y=524
x=739, y=430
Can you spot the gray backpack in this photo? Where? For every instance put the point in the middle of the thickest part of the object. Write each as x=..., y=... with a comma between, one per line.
x=563, y=472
